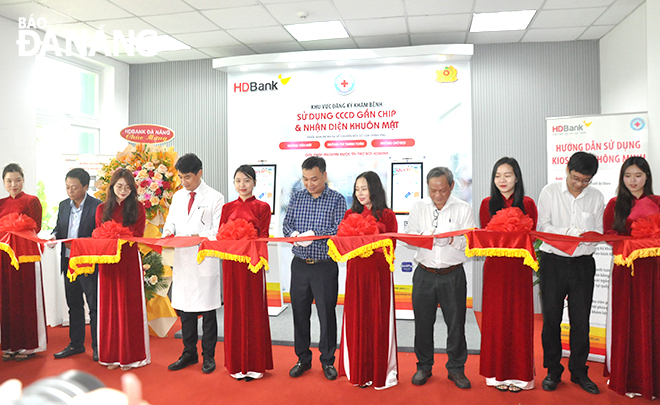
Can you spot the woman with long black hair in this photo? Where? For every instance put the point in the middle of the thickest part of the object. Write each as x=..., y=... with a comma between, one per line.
x=123, y=335
x=507, y=349
x=634, y=358
x=367, y=354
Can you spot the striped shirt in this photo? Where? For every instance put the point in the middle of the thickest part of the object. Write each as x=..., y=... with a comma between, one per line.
x=321, y=215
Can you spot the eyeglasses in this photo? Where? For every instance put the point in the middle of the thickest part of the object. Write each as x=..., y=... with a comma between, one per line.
x=576, y=179
x=119, y=187
x=434, y=223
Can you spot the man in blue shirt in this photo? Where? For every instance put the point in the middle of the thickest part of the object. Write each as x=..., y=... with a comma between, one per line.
x=317, y=210
x=76, y=219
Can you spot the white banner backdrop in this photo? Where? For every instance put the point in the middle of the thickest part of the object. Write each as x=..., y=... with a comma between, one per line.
x=612, y=138
x=359, y=119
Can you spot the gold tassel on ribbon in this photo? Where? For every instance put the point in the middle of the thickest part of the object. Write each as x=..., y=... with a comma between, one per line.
x=634, y=255
x=502, y=252
x=364, y=251
x=203, y=254
x=74, y=262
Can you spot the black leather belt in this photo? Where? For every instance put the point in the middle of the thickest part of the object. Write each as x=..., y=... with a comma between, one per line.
x=312, y=261
x=442, y=271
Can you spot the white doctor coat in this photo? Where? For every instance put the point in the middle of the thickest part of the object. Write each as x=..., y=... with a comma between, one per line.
x=195, y=287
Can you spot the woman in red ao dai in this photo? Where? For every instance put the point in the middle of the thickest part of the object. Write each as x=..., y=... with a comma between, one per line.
x=123, y=334
x=507, y=350
x=633, y=358
x=23, y=324
x=248, y=349
x=368, y=354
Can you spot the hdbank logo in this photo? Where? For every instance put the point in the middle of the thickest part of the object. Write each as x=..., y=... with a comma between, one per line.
x=344, y=84
x=637, y=124
x=572, y=128
x=248, y=87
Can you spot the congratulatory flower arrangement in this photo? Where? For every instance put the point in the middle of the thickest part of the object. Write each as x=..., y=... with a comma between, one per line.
x=155, y=175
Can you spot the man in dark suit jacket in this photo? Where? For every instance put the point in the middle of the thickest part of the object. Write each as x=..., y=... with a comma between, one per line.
x=76, y=219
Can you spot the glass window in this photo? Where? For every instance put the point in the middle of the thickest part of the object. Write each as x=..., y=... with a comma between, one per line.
x=66, y=88
x=68, y=127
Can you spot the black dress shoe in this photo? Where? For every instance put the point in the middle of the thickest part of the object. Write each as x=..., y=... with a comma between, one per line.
x=209, y=365
x=330, y=372
x=69, y=351
x=460, y=380
x=586, y=384
x=184, y=361
x=299, y=369
x=95, y=354
x=420, y=377
x=550, y=382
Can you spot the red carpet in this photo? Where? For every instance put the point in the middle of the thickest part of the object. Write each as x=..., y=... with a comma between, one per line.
x=191, y=386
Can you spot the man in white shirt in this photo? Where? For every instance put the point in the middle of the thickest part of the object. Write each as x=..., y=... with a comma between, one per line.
x=439, y=277
x=195, y=211
x=569, y=207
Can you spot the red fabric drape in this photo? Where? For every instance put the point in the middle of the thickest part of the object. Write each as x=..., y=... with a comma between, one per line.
x=19, y=305
x=121, y=311
x=635, y=359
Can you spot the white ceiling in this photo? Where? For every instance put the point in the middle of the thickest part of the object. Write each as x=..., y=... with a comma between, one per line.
x=221, y=28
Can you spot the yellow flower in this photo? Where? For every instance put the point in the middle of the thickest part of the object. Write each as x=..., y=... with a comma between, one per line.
x=158, y=176
x=149, y=166
x=143, y=174
x=153, y=186
x=153, y=279
x=146, y=266
x=155, y=200
x=162, y=169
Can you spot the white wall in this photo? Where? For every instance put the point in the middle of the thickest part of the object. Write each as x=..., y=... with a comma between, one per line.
x=623, y=68
x=653, y=90
x=630, y=62
x=18, y=105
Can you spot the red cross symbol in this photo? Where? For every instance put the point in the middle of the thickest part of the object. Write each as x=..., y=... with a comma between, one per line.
x=637, y=124
x=344, y=83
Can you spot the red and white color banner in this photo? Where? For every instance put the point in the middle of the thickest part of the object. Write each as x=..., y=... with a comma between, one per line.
x=358, y=118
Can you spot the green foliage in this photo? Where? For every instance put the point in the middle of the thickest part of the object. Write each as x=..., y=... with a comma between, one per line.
x=46, y=216
x=152, y=265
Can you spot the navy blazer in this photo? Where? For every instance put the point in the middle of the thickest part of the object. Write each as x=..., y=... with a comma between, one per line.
x=87, y=223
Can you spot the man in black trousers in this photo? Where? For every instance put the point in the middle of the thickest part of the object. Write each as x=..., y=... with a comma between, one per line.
x=571, y=208
x=316, y=210
x=76, y=219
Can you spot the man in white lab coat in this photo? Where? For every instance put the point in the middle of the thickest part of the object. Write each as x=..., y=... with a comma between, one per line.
x=195, y=210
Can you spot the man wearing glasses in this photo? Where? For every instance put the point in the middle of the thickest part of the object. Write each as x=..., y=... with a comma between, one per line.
x=195, y=211
x=572, y=208
x=439, y=277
